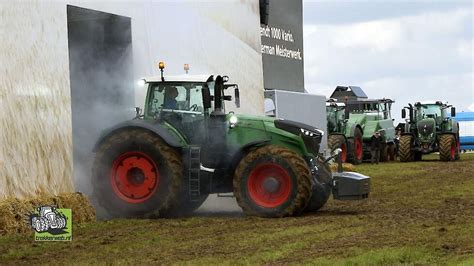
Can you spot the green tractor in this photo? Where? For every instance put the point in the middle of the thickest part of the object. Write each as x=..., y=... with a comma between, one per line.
x=429, y=129
x=353, y=119
x=166, y=161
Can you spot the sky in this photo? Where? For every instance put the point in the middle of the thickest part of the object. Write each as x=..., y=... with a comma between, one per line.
x=404, y=50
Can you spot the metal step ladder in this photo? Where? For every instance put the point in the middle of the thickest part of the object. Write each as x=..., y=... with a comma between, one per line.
x=194, y=172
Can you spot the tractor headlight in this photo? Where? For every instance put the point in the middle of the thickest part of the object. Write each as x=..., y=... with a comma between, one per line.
x=141, y=82
x=233, y=121
x=311, y=134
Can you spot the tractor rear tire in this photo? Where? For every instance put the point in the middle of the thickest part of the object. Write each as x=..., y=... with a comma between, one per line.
x=272, y=181
x=405, y=151
x=447, y=147
x=338, y=141
x=321, y=188
x=136, y=174
x=357, y=154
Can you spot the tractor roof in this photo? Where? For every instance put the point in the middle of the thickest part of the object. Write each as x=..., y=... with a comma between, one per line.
x=183, y=78
x=332, y=103
x=429, y=102
x=349, y=92
x=384, y=100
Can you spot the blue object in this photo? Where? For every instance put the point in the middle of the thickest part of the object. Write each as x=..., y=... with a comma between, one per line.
x=466, y=129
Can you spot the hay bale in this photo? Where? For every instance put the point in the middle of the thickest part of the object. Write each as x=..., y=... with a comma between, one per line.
x=345, y=167
x=14, y=213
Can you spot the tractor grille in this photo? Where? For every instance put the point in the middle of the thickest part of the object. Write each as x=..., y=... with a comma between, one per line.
x=426, y=127
x=312, y=143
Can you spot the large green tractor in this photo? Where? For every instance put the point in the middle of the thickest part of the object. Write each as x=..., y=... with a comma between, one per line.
x=352, y=123
x=184, y=147
x=429, y=129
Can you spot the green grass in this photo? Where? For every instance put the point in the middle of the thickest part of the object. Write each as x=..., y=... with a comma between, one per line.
x=417, y=213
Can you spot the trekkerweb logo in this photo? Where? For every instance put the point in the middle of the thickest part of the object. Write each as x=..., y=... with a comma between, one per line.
x=51, y=224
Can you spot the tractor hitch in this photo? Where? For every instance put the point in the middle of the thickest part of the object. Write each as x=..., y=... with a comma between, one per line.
x=348, y=185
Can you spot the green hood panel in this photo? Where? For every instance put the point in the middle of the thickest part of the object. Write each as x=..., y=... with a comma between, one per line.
x=251, y=128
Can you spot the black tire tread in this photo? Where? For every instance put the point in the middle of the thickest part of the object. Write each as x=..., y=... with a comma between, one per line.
x=353, y=157
x=405, y=153
x=445, y=143
x=336, y=141
x=173, y=159
x=297, y=163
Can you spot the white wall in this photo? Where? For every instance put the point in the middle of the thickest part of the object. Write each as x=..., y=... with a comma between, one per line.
x=35, y=101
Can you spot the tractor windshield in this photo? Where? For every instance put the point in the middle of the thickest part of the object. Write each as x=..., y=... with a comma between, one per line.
x=183, y=97
x=429, y=110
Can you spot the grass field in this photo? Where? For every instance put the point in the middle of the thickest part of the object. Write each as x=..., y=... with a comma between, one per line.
x=418, y=213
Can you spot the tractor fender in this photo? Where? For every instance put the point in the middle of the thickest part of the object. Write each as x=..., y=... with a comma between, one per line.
x=338, y=134
x=154, y=126
x=455, y=129
x=352, y=131
x=243, y=150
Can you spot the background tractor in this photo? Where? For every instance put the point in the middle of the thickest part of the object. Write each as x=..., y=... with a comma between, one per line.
x=353, y=119
x=429, y=129
x=184, y=147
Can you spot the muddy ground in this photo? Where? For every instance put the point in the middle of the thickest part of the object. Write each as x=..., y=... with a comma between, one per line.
x=421, y=212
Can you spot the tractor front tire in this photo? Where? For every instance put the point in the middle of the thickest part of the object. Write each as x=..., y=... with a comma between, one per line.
x=136, y=174
x=272, y=181
x=447, y=147
x=321, y=187
x=338, y=141
x=357, y=154
x=405, y=151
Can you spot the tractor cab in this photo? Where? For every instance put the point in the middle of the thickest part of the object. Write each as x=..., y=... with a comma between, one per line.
x=336, y=115
x=192, y=105
x=187, y=95
x=376, y=109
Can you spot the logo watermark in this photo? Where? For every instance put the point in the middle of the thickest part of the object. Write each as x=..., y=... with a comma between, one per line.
x=51, y=224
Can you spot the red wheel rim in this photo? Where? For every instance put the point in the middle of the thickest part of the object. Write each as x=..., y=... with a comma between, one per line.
x=343, y=152
x=358, y=148
x=269, y=185
x=134, y=177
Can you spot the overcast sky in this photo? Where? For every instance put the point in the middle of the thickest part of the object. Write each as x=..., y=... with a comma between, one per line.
x=404, y=50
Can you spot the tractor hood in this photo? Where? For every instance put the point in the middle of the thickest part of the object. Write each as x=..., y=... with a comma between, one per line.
x=293, y=127
x=310, y=135
x=426, y=128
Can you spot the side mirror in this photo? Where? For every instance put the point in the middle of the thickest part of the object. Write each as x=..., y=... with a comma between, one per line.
x=453, y=111
x=206, y=98
x=404, y=113
x=237, y=97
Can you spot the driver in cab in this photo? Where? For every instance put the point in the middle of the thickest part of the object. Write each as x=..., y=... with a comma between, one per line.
x=170, y=98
